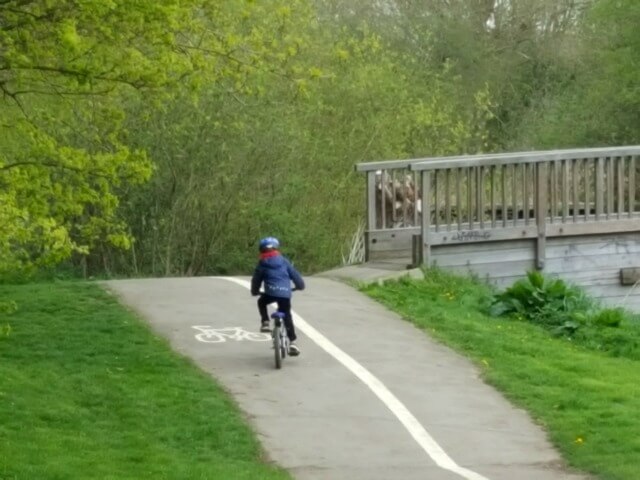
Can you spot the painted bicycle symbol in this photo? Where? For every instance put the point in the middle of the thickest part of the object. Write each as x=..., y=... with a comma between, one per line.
x=220, y=335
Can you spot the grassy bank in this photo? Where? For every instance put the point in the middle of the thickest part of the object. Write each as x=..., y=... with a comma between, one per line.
x=88, y=392
x=588, y=400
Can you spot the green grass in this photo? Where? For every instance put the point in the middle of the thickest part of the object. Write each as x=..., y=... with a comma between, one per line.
x=587, y=400
x=88, y=392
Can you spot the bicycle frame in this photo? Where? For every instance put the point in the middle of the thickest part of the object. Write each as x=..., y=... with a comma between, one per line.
x=279, y=336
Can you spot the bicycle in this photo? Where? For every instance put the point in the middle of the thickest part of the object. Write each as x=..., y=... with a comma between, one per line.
x=279, y=337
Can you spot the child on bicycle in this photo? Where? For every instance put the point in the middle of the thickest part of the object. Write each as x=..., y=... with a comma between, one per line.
x=277, y=273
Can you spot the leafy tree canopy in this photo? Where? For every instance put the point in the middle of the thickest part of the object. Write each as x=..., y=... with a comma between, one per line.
x=67, y=68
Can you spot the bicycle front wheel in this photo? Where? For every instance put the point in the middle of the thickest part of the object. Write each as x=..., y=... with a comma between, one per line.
x=277, y=346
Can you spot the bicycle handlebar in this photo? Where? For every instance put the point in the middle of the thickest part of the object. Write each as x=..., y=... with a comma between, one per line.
x=293, y=289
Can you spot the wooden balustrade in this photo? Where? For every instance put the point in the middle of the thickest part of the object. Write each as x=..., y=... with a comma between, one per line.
x=448, y=200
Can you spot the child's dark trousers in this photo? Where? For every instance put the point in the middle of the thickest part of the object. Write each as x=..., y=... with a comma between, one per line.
x=284, y=306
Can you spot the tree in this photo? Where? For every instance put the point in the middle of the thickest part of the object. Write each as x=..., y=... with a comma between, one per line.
x=67, y=69
x=600, y=105
x=276, y=156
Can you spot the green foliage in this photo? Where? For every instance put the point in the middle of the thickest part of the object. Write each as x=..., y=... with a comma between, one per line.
x=567, y=311
x=165, y=137
x=67, y=73
x=276, y=156
x=609, y=317
x=547, y=301
x=59, y=199
x=600, y=102
x=8, y=307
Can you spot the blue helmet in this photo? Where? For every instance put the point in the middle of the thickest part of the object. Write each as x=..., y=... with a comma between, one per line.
x=269, y=243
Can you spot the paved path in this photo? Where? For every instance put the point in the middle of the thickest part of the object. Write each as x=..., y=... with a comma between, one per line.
x=318, y=419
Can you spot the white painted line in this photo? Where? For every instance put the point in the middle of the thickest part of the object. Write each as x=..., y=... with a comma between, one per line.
x=402, y=413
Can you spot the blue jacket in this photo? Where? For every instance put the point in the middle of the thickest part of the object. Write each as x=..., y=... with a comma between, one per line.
x=276, y=273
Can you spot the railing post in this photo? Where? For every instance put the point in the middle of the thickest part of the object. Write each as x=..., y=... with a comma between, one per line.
x=599, y=188
x=371, y=211
x=425, y=245
x=541, y=213
x=416, y=250
x=632, y=186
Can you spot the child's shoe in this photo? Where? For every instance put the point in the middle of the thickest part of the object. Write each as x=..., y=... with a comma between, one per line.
x=265, y=327
x=294, y=351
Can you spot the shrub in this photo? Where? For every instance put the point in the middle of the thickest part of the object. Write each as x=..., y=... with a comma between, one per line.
x=550, y=302
x=567, y=311
x=608, y=317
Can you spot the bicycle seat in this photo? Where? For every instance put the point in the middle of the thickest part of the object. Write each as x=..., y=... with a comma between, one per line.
x=277, y=315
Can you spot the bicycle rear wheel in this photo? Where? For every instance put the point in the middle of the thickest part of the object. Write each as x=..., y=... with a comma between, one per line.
x=277, y=346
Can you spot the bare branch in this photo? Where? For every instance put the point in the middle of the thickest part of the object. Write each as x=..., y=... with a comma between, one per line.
x=62, y=93
x=12, y=96
x=53, y=165
x=77, y=73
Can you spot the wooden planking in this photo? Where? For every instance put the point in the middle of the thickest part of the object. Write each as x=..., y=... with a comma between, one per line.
x=425, y=221
x=501, y=252
x=437, y=163
x=376, y=255
x=383, y=199
x=587, y=187
x=612, y=291
x=481, y=248
x=541, y=213
x=459, y=196
x=593, y=263
x=620, y=188
x=497, y=158
x=609, y=247
x=574, y=178
x=526, y=193
x=588, y=247
x=594, y=280
x=489, y=261
x=391, y=239
x=508, y=273
x=610, y=192
x=401, y=239
x=593, y=228
x=503, y=175
x=371, y=199
x=464, y=237
x=600, y=188
x=469, y=198
x=565, y=190
x=597, y=239
x=632, y=186
x=604, y=275
x=492, y=194
x=553, y=190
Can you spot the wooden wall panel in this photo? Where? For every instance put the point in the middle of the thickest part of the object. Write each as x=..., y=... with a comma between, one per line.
x=590, y=261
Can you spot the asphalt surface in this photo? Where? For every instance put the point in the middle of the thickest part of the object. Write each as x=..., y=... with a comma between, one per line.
x=370, y=397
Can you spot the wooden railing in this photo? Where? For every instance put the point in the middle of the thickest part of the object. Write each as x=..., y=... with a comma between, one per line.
x=448, y=200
